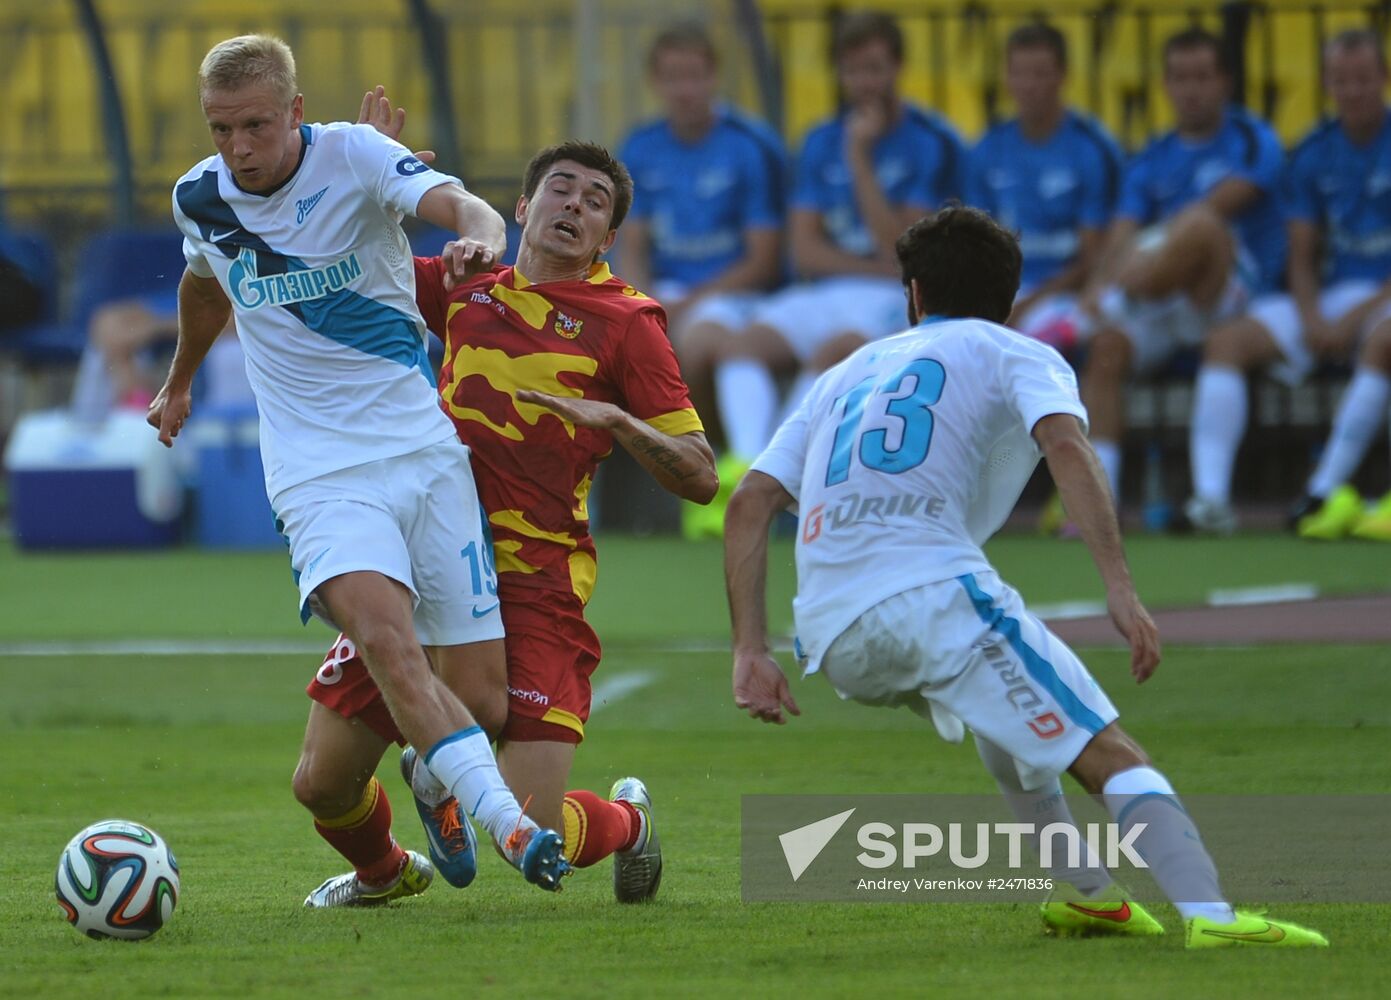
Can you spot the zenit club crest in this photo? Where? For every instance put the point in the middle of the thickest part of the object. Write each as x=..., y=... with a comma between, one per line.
x=567, y=326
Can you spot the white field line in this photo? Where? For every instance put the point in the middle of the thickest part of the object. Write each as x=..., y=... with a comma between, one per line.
x=1274, y=594
x=166, y=647
x=1061, y=611
x=1069, y=610
x=285, y=647
x=619, y=686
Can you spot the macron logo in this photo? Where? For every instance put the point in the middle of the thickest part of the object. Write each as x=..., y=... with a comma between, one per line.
x=306, y=205
x=803, y=845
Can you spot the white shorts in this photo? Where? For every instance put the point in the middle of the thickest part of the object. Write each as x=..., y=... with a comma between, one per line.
x=414, y=518
x=1158, y=328
x=1279, y=315
x=731, y=310
x=1055, y=319
x=810, y=315
x=969, y=647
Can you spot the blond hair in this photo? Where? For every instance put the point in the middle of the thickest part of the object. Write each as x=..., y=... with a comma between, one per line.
x=249, y=60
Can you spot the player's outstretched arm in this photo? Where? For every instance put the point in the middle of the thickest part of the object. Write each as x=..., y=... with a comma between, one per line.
x=1082, y=487
x=203, y=313
x=482, y=233
x=760, y=686
x=682, y=463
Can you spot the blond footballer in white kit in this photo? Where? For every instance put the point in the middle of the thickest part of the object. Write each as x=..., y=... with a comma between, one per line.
x=902, y=461
x=296, y=229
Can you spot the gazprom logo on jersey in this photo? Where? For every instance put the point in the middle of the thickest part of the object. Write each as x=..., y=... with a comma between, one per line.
x=254, y=291
x=408, y=166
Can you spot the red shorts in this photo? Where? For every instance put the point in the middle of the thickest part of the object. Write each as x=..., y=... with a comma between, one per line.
x=551, y=651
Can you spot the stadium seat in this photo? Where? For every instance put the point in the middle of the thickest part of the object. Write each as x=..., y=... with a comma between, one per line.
x=34, y=254
x=114, y=265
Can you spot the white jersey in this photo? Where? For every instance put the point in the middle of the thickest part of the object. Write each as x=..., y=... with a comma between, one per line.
x=905, y=458
x=323, y=288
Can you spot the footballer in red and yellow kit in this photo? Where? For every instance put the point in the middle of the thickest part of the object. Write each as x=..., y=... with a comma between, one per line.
x=597, y=339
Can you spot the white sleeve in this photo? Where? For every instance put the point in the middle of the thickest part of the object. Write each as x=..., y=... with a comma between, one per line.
x=1037, y=383
x=388, y=171
x=786, y=455
x=193, y=253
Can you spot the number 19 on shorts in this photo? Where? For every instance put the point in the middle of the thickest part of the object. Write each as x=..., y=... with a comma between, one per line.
x=481, y=569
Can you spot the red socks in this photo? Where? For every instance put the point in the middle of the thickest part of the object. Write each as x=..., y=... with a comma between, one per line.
x=594, y=828
x=363, y=836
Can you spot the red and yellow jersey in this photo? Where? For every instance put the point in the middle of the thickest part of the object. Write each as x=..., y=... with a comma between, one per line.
x=597, y=338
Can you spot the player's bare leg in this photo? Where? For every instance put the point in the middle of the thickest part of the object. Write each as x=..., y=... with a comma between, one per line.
x=334, y=781
x=1195, y=258
x=376, y=613
x=594, y=828
x=1115, y=767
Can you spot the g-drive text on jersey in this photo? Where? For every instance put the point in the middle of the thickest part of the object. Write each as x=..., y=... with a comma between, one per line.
x=853, y=509
x=254, y=291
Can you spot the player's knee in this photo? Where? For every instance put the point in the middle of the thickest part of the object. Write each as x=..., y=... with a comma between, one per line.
x=835, y=350
x=393, y=654
x=1199, y=227
x=490, y=712
x=318, y=792
x=700, y=346
x=1110, y=752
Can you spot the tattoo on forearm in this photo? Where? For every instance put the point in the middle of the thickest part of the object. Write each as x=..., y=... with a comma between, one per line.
x=667, y=459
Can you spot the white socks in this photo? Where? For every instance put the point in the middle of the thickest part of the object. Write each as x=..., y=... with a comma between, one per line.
x=1169, y=843
x=465, y=765
x=1042, y=807
x=1360, y=414
x=1219, y=420
x=425, y=785
x=748, y=402
x=1109, y=454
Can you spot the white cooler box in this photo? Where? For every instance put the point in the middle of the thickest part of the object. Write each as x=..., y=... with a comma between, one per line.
x=230, y=506
x=74, y=484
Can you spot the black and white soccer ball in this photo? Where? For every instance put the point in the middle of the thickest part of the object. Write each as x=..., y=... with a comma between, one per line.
x=117, y=879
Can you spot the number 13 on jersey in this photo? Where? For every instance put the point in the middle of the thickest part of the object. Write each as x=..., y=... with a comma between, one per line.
x=921, y=382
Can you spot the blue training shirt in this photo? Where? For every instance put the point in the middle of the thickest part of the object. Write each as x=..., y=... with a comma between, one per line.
x=1172, y=172
x=1046, y=191
x=700, y=198
x=919, y=163
x=1345, y=189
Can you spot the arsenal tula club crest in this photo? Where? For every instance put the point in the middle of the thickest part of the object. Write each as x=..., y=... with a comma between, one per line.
x=567, y=326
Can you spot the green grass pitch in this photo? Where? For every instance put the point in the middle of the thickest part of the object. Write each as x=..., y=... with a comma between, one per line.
x=201, y=747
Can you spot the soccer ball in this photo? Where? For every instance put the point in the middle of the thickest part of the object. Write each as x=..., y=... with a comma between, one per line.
x=117, y=879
